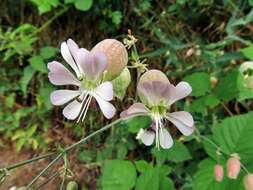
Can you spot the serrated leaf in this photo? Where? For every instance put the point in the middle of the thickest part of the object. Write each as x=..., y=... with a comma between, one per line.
x=118, y=175
x=83, y=5
x=233, y=136
x=200, y=83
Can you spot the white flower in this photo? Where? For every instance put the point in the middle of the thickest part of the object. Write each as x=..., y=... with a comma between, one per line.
x=157, y=97
x=88, y=67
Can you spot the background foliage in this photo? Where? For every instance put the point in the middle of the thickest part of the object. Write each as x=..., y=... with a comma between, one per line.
x=201, y=42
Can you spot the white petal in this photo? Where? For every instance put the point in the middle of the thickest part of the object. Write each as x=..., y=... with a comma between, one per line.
x=93, y=63
x=72, y=110
x=105, y=91
x=68, y=57
x=60, y=75
x=106, y=107
x=60, y=97
x=183, y=121
x=179, y=92
x=136, y=109
x=147, y=137
x=165, y=138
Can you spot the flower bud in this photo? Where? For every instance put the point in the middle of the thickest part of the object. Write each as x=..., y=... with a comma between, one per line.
x=153, y=75
x=116, y=54
x=213, y=81
x=248, y=182
x=233, y=167
x=218, y=172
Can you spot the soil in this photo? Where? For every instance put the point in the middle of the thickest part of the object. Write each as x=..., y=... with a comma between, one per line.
x=23, y=175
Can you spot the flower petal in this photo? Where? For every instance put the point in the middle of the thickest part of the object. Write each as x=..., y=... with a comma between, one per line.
x=72, y=110
x=92, y=63
x=165, y=138
x=179, y=92
x=60, y=97
x=59, y=75
x=147, y=137
x=154, y=91
x=183, y=121
x=105, y=91
x=106, y=107
x=136, y=109
x=65, y=52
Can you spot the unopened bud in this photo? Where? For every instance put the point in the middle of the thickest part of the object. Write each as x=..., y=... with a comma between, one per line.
x=116, y=54
x=233, y=167
x=248, y=182
x=213, y=81
x=218, y=172
x=153, y=75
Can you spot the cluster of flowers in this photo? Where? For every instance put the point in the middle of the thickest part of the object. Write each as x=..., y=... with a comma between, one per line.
x=233, y=170
x=91, y=73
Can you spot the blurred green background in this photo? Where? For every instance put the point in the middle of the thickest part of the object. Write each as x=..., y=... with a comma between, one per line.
x=203, y=42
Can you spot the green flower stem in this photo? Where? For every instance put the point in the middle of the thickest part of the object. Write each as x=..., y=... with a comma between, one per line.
x=22, y=163
x=66, y=150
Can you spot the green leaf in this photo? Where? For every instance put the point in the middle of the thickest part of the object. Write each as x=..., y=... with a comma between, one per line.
x=116, y=17
x=202, y=103
x=83, y=5
x=149, y=180
x=141, y=165
x=38, y=63
x=177, y=153
x=118, y=175
x=121, y=83
x=136, y=123
x=200, y=83
x=248, y=52
x=48, y=52
x=227, y=88
x=204, y=178
x=45, y=5
x=233, y=136
x=166, y=184
x=20, y=143
x=27, y=76
x=43, y=98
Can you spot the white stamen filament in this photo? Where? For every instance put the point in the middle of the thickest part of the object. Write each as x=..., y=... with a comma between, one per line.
x=84, y=105
x=87, y=107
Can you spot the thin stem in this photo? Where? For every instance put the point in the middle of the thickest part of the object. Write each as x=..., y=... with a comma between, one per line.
x=70, y=148
x=91, y=135
x=44, y=170
x=48, y=179
x=22, y=163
